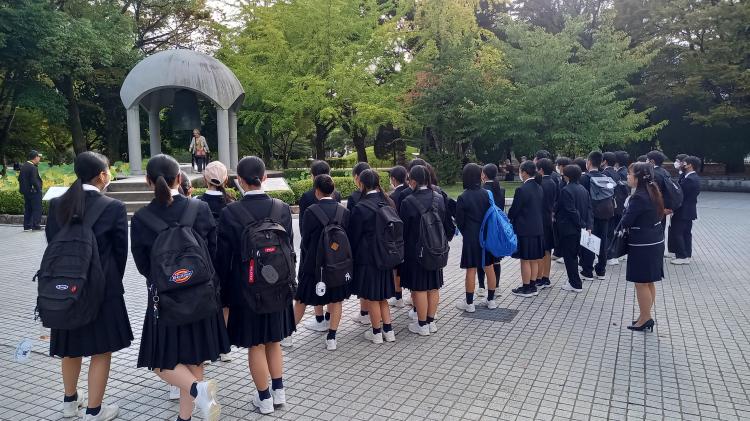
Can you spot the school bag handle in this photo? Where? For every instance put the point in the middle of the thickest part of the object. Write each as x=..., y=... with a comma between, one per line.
x=420, y=207
x=324, y=219
x=157, y=224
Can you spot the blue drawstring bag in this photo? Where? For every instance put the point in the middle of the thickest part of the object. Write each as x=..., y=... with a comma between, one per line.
x=496, y=233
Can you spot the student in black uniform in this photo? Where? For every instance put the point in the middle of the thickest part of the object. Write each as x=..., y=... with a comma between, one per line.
x=110, y=331
x=643, y=217
x=470, y=209
x=351, y=202
x=572, y=213
x=600, y=227
x=424, y=284
x=609, y=160
x=554, y=175
x=682, y=220
x=490, y=182
x=679, y=165
x=398, y=184
x=551, y=192
x=176, y=353
x=217, y=198
x=322, y=319
x=370, y=283
x=622, y=190
x=261, y=334
x=657, y=158
x=560, y=164
x=311, y=228
x=582, y=164
x=526, y=215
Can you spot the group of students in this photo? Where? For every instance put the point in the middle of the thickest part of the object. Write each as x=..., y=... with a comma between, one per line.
x=221, y=272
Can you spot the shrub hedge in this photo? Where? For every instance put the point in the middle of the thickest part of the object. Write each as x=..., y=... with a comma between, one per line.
x=11, y=203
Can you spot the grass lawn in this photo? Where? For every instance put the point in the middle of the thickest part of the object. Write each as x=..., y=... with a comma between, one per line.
x=456, y=189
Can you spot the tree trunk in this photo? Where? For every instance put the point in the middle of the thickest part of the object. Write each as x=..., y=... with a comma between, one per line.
x=359, y=137
x=113, y=129
x=321, y=134
x=65, y=85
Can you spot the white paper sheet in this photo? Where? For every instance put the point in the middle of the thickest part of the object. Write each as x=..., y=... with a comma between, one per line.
x=54, y=192
x=590, y=242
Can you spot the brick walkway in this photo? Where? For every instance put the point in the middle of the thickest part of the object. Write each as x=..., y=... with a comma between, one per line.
x=563, y=356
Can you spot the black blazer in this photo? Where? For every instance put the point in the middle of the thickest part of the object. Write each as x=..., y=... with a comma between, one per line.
x=141, y=237
x=308, y=199
x=397, y=195
x=471, y=206
x=527, y=209
x=311, y=228
x=411, y=217
x=573, y=210
x=557, y=179
x=352, y=200
x=551, y=193
x=215, y=202
x=230, y=232
x=111, y=231
x=361, y=231
x=641, y=218
x=29, y=180
x=691, y=188
x=498, y=193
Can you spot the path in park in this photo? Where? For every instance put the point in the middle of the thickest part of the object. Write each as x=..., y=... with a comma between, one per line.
x=561, y=356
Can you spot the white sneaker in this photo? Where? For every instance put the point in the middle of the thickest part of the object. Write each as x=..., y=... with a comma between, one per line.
x=108, y=412
x=407, y=299
x=331, y=344
x=685, y=261
x=469, y=308
x=376, y=339
x=613, y=262
x=265, y=406
x=174, y=393
x=433, y=327
x=491, y=304
x=364, y=320
x=70, y=409
x=313, y=324
x=414, y=327
x=560, y=260
x=206, y=401
x=389, y=336
x=393, y=302
x=225, y=358
x=413, y=314
x=669, y=255
x=278, y=396
x=567, y=287
x=481, y=292
x=287, y=342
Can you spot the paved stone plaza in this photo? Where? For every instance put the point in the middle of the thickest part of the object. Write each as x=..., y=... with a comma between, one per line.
x=563, y=356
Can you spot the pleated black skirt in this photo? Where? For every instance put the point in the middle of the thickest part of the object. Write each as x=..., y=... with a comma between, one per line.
x=372, y=283
x=530, y=247
x=247, y=328
x=645, y=263
x=166, y=346
x=110, y=332
x=416, y=278
x=306, y=292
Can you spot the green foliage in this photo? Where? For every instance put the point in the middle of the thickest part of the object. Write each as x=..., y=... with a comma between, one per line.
x=11, y=202
x=447, y=167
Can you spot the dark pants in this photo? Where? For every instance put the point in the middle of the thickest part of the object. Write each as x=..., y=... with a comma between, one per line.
x=480, y=275
x=32, y=210
x=569, y=245
x=681, y=236
x=587, y=258
x=613, y=221
x=200, y=162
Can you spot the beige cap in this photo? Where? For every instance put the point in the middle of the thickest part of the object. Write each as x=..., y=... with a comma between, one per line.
x=215, y=173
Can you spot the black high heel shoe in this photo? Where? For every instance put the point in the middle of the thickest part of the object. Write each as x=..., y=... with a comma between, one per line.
x=648, y=325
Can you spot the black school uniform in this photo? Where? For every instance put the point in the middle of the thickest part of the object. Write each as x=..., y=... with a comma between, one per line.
x=572, y=214
x=216, y=202
x=646, y=239
x=110, y=331
x=352, y=200
x=311, y=229
x=526, y=215
x=308, y=199
x=396, y=194
x=166, y=346
x=550, y=190
x=370, y=282
x=245, y=327
x=471, y=206
x=413, y=275
x=682, y=220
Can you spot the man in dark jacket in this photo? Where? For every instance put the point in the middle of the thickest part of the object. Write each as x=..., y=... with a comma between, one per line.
x=30, y=185
x=682, y=219
x=572, y=213
x=603, y=211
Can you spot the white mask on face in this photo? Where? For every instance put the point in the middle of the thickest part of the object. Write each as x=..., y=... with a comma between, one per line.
x=677, y=165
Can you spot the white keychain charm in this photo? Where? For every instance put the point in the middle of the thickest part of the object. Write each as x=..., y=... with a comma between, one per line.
x=320, y=289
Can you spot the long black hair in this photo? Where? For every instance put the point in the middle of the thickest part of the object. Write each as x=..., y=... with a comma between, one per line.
x=421, y=176
x=252, y=170
x=185, y=184
x=490, y=173
x=471, y=176
x=162, y=171
x=87, y=166
x=644, y=177
x=370, y=180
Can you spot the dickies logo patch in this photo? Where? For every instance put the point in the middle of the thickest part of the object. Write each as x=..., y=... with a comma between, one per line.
x=61, y=287
x=180, y=276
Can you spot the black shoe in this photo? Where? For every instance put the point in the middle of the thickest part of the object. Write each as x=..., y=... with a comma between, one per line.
x=532, y=289
x=543, y=283
x=522, y=291
x=648, y=325
x=587, y=276
x=601, y=276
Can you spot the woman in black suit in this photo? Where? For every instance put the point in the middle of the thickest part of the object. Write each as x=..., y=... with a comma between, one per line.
x=643, y=217
x=470, y=209
x=526, y=215
x=110, y=331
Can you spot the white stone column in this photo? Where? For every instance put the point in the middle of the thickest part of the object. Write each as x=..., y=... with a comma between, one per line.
x=154, y=129
x=134, y=140
x=222, y=135
x=233, y=151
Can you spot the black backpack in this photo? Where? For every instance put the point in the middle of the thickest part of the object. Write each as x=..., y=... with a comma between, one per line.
x=388, y=249
x=334, y=261
x=674, y=194
x=602, y=192
x=622, y=191
x=268, y=260
x=432, y=244
x=182, y=279
x=71, y=281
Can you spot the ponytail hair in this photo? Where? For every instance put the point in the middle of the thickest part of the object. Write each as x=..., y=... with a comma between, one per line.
x=87, y=166
x=644, y=176
x=529, y=168
x=162, y=171
x=421, y=176
x=185, y=184
x=490, y=172
x=370, y=180
x=252, y=170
